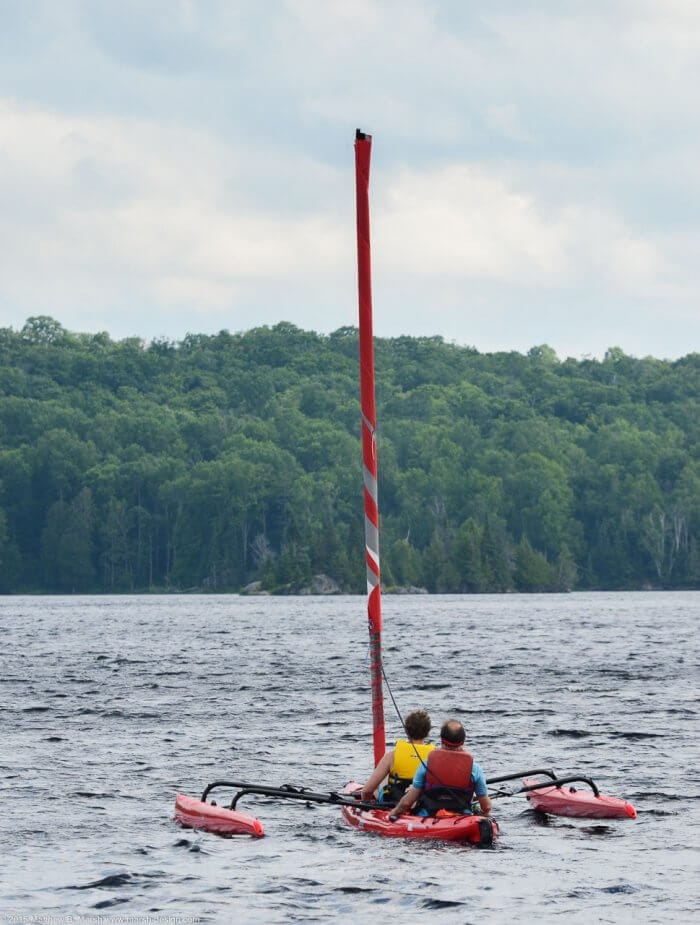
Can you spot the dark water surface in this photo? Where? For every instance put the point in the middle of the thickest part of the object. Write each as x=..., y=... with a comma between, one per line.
x=111, y=705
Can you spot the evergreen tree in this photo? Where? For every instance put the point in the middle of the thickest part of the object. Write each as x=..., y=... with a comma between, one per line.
x=68, y=545
x=532, y=571
x=495, y=557
x=566, y=570
x=405, y=564
x=9, y=559
x=466, y=557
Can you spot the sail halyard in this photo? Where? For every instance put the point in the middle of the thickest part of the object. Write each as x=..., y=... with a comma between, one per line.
x=363, y=150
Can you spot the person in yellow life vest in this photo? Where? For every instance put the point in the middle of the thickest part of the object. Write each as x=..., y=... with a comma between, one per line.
x=401, y=763
x=449, y=780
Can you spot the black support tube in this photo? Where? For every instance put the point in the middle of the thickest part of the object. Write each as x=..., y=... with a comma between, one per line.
x=498, y=780
x=553, y=782
x=287, y=792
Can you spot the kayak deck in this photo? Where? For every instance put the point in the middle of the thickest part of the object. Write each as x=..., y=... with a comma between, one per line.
x=583, y=804
x=475, y=830
x=195, y=814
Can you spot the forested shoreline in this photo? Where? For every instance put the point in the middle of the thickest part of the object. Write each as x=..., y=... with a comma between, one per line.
x=222, y=460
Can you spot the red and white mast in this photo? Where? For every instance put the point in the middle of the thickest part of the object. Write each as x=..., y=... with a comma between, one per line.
x=363, y=150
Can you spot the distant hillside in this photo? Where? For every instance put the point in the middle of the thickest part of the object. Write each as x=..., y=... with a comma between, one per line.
x=220, y=460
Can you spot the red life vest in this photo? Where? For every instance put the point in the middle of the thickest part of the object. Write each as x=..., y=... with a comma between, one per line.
x=448, y=781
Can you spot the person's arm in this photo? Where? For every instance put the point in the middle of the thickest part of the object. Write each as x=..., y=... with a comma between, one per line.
x=413, y=792
x=377, y=776
x=407, y=801
x=481, y=789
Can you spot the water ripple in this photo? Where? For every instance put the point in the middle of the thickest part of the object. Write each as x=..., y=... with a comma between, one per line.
x=111, y=705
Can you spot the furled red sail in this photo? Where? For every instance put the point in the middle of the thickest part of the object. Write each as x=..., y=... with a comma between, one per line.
x=363, y=150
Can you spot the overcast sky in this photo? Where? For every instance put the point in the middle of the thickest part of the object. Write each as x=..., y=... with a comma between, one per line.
x=174, y=166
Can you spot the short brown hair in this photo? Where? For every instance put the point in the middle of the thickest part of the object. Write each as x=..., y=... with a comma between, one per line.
x=417, y=724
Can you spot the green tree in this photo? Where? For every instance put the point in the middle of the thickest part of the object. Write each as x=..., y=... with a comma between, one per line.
x=466, y=556
x=404, y=563
x=9, y=559
x=213, y=460
x=566, y=570
x=290, y=571
x=496, y=557
x=43, y=330
x=68, y=544
x=541, y=501
x=532, y=570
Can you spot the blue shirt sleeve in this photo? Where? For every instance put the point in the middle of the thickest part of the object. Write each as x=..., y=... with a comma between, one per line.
x=479, y=781
x=419, y=776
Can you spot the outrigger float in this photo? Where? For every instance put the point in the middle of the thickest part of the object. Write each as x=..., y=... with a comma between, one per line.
x=552, y=798
x=553, y=795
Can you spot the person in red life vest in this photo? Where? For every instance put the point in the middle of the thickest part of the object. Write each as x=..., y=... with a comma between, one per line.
x=449, y=781
x=401, y=762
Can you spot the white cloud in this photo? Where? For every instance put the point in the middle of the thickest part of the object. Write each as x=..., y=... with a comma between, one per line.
x=535, y=175
x=463, y=220
x=468, y=221
x=112, y=198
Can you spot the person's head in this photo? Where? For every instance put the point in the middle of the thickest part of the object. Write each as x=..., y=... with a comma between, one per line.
x=417, y=724
x=452, y=734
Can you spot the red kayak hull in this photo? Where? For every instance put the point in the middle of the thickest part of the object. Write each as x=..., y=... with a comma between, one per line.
x=474, y=830
x=582, y=804
x=193, y=814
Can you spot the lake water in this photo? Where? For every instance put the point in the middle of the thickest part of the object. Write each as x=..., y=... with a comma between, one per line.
x=111, y=705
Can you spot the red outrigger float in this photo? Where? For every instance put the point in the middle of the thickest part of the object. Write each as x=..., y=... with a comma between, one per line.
x=198, y=814
x=578, y=804
x=553, y=797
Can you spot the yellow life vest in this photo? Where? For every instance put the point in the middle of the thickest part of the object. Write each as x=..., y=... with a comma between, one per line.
x=407, y=758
